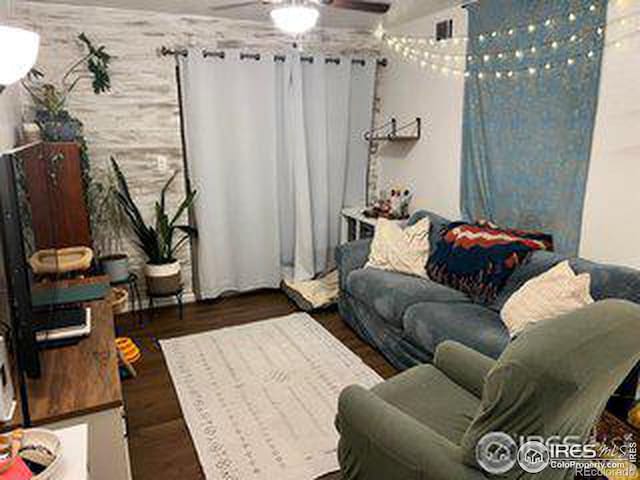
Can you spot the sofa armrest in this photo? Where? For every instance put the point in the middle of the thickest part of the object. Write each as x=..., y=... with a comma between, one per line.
x=380, y=441
x=351, y=256
x=463, y=365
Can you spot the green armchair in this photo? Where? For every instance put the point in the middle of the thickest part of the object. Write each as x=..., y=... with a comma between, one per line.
x=554, y=379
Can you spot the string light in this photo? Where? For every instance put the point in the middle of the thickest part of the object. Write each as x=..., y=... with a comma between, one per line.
x=501, y=55
x=403, y=45
x=547, y=22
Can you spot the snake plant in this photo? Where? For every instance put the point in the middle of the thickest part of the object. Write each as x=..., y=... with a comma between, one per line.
x=161, y=241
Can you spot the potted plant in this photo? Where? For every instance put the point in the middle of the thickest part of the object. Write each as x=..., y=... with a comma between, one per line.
x=157, y=241
x=109, y=222
x=50, y=99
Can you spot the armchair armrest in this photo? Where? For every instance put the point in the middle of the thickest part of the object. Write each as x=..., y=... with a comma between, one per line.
x=463, y=365
x=351, y=256
x=380, y=441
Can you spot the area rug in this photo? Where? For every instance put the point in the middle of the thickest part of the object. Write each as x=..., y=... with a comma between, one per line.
x=260, y=399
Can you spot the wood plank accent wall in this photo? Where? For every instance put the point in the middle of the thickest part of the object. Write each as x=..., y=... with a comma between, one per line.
x=138, y=120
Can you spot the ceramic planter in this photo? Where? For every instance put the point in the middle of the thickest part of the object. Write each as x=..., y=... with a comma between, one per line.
x=116, y=266
x=163, y=279
x=60, y=127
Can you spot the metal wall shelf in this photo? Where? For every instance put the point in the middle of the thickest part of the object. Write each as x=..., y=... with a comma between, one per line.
x=391, y=132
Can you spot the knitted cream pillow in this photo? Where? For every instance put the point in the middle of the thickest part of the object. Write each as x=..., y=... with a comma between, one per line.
x=555, y=292
x=400, y=250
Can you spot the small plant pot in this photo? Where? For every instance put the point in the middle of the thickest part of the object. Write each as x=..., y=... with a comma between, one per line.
x=163, y=279
x=116, y=267
x=59, y=127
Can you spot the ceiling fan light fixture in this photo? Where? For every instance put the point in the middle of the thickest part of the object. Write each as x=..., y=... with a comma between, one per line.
x=295, y=19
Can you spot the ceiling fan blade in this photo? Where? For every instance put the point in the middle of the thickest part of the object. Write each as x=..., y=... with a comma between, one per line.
x=220, y=8
x=362, y=6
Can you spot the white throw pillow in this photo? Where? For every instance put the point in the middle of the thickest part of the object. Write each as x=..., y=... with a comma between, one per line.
x=555, y=292
x=400, y=250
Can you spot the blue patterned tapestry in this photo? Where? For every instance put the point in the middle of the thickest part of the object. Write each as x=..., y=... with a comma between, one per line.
x=529, y=113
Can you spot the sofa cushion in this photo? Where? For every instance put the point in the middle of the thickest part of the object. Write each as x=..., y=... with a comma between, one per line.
x=478, y=327
x=437, y=224
x=555, y=292
x=389, y=294
x=402, y=250
x=433, y=399
x=607, y=281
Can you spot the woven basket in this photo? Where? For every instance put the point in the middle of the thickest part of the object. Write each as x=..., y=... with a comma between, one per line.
x=118, y=300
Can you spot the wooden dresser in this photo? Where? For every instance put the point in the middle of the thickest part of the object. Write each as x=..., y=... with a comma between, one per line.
x=80, y=384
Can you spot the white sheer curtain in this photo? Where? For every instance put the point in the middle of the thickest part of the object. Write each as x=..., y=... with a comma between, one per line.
x=275, y=151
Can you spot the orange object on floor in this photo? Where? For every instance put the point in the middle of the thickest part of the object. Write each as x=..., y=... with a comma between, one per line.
x=130, y=351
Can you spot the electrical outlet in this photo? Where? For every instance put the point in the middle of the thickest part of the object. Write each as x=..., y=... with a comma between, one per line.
x=162, y=163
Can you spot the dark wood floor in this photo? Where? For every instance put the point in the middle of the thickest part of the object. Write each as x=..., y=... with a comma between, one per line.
x=159, y=443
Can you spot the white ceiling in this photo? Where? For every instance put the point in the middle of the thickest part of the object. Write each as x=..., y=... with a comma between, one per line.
x=330, y=17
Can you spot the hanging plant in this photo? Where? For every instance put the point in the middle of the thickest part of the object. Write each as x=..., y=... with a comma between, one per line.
x=50, y=99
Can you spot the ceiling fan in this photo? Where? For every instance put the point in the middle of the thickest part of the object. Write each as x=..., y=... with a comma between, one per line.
x=298, y=16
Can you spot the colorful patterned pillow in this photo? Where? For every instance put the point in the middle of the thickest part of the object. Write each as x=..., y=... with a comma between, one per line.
x=478, y=258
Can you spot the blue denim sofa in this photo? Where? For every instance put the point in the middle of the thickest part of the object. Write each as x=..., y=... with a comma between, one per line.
x=407, y=317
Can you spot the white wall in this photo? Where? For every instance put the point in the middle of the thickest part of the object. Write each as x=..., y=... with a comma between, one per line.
x=9, y=118
x=431, y=167
x=611, y=224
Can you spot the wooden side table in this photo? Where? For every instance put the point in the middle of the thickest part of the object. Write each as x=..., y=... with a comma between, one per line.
x=356, y=225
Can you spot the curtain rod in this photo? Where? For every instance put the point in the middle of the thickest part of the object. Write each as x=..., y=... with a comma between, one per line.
x=183, y=52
